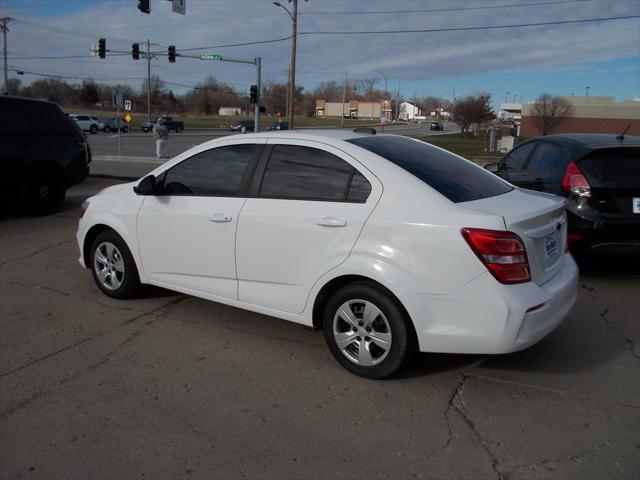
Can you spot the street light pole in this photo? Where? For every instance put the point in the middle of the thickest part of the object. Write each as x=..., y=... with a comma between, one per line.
x=292, y=63
x=506, y=96
x=384, y=111
x=4, y=21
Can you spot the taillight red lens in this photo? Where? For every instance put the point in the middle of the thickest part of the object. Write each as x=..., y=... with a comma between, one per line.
x=503, y=253
x=575, y=182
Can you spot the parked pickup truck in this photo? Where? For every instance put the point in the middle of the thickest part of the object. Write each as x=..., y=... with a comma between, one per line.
x=169, y=122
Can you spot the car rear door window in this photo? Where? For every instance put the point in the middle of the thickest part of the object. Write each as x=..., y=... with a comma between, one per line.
x=547, y=157
x=215, y=172
x=516, y=159
x=452, y=176
x=297, y=172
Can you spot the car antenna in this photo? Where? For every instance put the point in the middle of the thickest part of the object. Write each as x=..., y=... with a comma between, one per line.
x=621, y=136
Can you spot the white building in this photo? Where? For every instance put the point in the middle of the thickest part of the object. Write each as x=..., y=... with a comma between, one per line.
x=408, y=112
x=230, y=111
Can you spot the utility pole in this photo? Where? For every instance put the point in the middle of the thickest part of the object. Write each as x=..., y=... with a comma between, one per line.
x=344, y=98
x=398, y=103
x=6, y=70
x=149, y=79
x=292, y=67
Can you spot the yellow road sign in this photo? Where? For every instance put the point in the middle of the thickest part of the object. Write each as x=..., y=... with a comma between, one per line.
x=128, y=118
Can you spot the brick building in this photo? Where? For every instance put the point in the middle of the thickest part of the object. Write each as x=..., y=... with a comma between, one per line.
x=591, y=115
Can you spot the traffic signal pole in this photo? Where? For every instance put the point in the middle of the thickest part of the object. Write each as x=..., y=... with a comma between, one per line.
x=149, y=79
x=258, y=80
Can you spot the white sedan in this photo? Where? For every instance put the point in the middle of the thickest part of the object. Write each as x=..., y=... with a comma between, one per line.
x=386, y=243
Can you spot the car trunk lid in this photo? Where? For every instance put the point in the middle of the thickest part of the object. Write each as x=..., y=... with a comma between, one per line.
x=539, y=220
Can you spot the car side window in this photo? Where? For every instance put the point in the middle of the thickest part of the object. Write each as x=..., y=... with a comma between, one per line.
x=305, y=173
x=215, y=172
x=516, y=159
x=546, y=157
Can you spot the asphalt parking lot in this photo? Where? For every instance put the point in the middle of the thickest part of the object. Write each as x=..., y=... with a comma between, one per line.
x=170, y=386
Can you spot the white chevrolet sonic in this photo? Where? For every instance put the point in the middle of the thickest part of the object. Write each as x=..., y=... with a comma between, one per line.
x=386, y=243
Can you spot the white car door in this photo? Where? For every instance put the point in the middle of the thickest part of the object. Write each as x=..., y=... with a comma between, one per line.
x=187, y=233
x=308, y=204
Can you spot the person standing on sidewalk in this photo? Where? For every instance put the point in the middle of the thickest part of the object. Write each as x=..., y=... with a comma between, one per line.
x=161, y=134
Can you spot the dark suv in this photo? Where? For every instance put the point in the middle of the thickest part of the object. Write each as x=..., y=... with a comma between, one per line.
x=43, y=152
x=600, y=176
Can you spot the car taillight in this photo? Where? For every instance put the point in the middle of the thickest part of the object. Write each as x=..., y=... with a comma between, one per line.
x=575, y=182
x=503, y=253
x=83, y=208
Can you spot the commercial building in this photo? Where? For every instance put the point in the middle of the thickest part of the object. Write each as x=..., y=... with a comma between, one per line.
x=591, y=115
x=353, y=109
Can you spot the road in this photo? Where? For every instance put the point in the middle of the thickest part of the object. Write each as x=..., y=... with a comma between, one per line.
x=173, y=387
x=139, y=144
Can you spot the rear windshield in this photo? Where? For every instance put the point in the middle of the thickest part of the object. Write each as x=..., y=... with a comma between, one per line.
x=454, y=177
x=612, y=167
x=20, y=117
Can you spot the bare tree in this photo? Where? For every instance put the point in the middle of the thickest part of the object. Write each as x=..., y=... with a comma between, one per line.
x=549, y=112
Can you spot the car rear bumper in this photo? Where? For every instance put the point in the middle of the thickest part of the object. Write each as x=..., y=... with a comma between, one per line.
x=486, y=317
x=605, y=235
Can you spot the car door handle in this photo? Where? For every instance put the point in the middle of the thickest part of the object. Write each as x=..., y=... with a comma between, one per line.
x=331, y=222
x=220, y=218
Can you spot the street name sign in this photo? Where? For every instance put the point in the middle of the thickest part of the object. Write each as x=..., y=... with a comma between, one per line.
x=209, y=56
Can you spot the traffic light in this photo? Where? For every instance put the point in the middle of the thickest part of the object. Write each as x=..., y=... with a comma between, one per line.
x=172, y=53
x=102, y=48
x=143, y=6
x=253, y=94
x=135, y=51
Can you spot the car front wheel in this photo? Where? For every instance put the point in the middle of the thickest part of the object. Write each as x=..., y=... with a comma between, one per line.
x=93, y=129
x=113, y=267
x=366, y=330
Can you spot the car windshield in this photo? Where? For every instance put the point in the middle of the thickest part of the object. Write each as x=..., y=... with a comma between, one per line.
x=452, y=176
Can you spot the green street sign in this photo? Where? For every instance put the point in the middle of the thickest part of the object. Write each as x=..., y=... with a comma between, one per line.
x=209, y=56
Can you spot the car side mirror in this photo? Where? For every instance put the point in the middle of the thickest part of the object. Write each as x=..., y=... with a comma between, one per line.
x=147, y=186
x=492, y=167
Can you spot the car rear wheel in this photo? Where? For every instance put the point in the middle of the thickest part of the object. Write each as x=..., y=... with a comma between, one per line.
x=366, y=330
x=93, y=129
x=125, y=129
x=179, y=129
x=113, y=267
x=45, y=193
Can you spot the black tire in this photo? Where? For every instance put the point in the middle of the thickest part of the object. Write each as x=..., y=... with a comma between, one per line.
x=125, y=129
x=145, y=129
x=391, y=318
x=179, y=129
x=125, y=284
x=45, y=192
x=93, y=129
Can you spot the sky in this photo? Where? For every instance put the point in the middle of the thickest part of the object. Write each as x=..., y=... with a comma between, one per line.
x=517, y=63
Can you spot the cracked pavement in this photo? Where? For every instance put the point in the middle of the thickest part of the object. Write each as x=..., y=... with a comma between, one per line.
x=170, y=386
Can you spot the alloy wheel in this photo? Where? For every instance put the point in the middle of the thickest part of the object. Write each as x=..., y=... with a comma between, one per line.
x=109, y=266
x=362, y=332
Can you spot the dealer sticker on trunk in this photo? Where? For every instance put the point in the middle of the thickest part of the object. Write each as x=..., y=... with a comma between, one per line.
x=636, y=205
x=551, y=246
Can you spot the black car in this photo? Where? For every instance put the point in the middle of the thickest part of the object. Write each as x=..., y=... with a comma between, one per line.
x=279, y=126
x=437, y=126
x=243, y=126
x=600, y=176
x=111, y=125
x=170, y=124
x=43, y=152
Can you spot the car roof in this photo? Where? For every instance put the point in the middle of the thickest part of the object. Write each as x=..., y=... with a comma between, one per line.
x=592, y=141
x=316, y=134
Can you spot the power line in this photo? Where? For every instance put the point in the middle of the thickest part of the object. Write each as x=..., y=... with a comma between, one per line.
x=448, y=9
x=461, y=29
x=261, y=42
